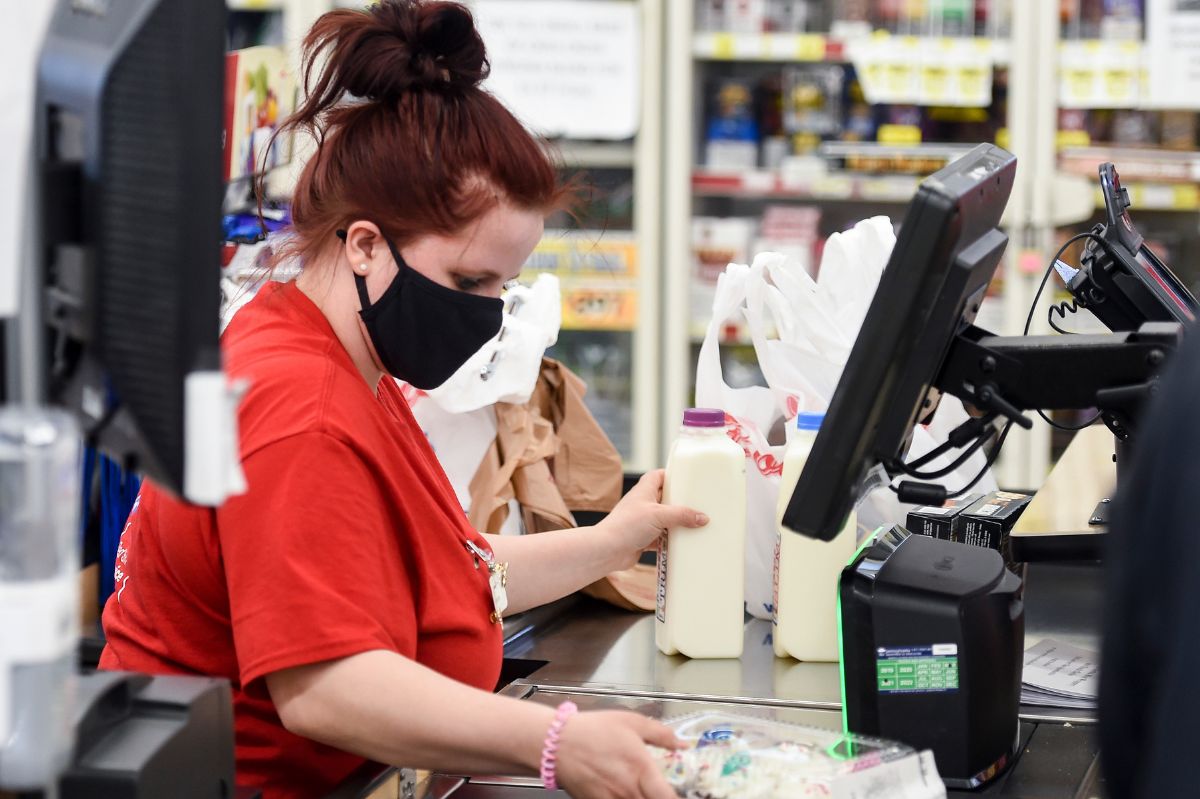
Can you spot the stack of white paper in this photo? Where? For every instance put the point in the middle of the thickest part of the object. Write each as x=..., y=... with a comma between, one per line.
x=1060, y=675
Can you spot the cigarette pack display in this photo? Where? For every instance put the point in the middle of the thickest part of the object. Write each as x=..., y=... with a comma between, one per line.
x=730, y=756
x=941, y=522
x=989, y=520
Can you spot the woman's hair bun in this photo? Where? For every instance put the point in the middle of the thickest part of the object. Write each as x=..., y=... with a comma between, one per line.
x=399, y=46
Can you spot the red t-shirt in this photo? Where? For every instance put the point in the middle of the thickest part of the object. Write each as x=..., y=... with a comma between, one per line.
x=350, y=539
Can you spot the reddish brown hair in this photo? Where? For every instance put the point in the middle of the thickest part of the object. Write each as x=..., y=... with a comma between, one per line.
x=406, y=137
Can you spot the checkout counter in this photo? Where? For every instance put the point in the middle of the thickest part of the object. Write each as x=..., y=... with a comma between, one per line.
x=601, y=657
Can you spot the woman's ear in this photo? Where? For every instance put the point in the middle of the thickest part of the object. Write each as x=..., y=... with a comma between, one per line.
x=366, y=248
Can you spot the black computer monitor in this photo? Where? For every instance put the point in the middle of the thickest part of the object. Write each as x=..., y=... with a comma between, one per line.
x=129, y=141
x=945, y=256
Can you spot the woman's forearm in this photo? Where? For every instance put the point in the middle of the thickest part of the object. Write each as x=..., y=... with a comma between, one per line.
x=548, y=566
x=389, y=709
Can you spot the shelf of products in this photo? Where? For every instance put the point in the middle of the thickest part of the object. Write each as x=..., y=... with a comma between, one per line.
x=593, y=155
x=816, y=47
x=605, y=254
x=807, y=117
x=256, y=5
x=778, y=185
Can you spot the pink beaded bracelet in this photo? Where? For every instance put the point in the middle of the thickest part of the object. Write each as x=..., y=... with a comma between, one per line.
x=550, y=748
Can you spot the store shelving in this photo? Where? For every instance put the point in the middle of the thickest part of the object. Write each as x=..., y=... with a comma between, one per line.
x=607, y=262
x=816, y=47
x=596, y=155
x=703, y=184
x=256, y=5
x=777, y=185
x=1104, y=109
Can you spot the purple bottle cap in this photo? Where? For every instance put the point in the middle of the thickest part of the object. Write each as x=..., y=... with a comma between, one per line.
x=703, y=417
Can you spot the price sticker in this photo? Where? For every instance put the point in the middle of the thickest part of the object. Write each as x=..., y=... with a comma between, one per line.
x=899, y=134
x=935, y=84
x=1120, y=87
x=1186, y=198
x=810, y=47
x=723, y=46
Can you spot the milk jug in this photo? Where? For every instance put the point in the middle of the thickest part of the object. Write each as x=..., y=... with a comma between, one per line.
x=701, y=571
x=807, y=570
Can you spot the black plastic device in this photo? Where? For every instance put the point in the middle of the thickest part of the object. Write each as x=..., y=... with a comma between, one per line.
x=947, y=251
x=1121, y=280
x=932, y=635
x=129, y=142
x=138, y=736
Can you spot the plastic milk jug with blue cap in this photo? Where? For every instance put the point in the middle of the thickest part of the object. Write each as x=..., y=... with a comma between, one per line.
x=701, y=572
x=807, y=570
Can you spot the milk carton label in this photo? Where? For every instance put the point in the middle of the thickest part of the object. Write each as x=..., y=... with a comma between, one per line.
x=660, y=611
x=775, y=584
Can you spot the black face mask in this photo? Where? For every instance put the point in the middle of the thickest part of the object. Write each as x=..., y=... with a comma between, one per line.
x=424, y=331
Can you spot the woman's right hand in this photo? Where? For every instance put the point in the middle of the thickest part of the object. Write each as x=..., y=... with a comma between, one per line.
x=603, y=755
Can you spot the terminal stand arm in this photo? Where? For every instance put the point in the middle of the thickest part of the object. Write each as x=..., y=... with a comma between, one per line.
x=1114, y=372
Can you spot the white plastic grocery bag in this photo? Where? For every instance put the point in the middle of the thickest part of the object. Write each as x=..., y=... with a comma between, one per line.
x=803, y=330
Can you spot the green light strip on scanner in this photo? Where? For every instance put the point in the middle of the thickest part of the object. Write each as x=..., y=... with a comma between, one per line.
x=841, y=646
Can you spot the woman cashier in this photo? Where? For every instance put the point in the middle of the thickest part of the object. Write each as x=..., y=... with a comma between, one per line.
x=344, y=595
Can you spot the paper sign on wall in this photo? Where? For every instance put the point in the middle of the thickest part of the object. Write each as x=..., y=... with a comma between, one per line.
x=1172, y=54
x=565, y=68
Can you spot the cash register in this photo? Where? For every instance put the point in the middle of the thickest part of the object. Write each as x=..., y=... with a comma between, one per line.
x=932, y=631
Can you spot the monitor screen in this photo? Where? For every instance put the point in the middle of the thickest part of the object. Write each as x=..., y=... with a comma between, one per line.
x=129, y=121
x=945, y=256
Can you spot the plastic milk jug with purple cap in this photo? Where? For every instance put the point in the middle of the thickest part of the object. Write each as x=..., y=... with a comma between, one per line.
x=701, y=572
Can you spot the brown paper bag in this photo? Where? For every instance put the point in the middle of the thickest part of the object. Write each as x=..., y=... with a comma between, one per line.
x=552, y=457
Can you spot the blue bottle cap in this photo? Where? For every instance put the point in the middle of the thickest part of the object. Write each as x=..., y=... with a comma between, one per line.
x=808, y=420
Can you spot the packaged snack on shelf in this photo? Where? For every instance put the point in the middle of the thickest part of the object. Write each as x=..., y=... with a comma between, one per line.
x=997, y=20
x=1133, y=128
x=851, y=19
x=1122, y=20
x=720, y=241
x=952, y=17
x=860, y=117
x=710, y=15
x=1179, y=130
x=887, y=15
x=746, y=16
x=812, y=101
x=788, y=16
x=732, y=136
x=792, y=230
x=731, y=756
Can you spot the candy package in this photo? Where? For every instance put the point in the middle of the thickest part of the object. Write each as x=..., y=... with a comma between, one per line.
x=729, y=756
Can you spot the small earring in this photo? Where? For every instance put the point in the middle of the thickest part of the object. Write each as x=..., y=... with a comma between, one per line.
x=362, y=267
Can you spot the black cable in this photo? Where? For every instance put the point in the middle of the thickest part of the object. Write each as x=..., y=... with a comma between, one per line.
x=1061, y=310
x=962, y=458
x=1049, y=269
x=950, y=443
x=992, y=456
x=991, y=461
x=1033, y=307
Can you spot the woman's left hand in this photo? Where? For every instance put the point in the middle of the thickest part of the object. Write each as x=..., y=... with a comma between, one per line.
x=640, y=518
